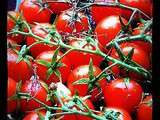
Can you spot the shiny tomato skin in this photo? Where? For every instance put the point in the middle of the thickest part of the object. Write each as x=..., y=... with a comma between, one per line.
x=121, y=95
x=31, y=12
x=78, y=58
x=42, y=70
x=36, y=90
x=108, y=28
x=41, y=47
x=124, y=115
x=59, y=6
x=100, y=12
x=82, y=72
x=138, y=57
x=143, y=5
x=18, y=71
x=11, y=91
x=63, y=23
x=11, y=24
x=33, y=116
x=144, y=111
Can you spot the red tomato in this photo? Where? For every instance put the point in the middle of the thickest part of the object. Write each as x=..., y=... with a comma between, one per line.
x=138, y=57
x=68, y=23
x=33, y=116
x=124, y=115
x=144, y=45
x=18, y=71
x=36, y=90
x=79, y=117
x=144, y=111
x=39, y=31
x=32, y=12
x=58, y=6
x=42, y=70
x=78, y=58
x=11, y=91
x=123, y=95
x=143, y=5
x=108, y=28
x=82, y=72
x=11, y=24
x=100, y=12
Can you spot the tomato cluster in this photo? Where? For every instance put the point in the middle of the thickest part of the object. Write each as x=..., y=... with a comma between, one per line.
x=90, y=62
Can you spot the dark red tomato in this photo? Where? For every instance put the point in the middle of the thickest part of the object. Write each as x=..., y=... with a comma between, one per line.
x=146, y=45
x=122, y=94
x=41, y=32
x=32, y=12
x=35, y=89
x=144, y=111
x=107, y=29
x=18, y=71
x=99, y=11
x=33, y=116
x=58, y=6
x=42, y=70
x=139, y=56
x=124, y=115
x=79, y=117
x=143, y=5
x=78, y=58
x=12, y=44
x=11, y=24
x=82, y=89
x=11, y=91
x=68, y=22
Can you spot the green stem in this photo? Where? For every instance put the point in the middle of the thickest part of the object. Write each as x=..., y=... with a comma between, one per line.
x=131, y=38
x=63, y=108
x=100, y=53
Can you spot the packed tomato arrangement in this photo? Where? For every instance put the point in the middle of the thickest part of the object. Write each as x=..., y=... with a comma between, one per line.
x=80, y=60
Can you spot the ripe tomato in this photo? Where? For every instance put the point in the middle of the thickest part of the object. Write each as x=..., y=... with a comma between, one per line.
x=82, y=72
x=18, y=71
x=143, y=5
x=78, y=58
x=42, y=70
x=146, y=45
x=39, y=31
x=35, y=89
x=58, y=6
x=78, y=117
x=138, y=57
x=69, y=22
x=144, y=111
x=108, y=28
x=33, y=116
x=11, y=24
x=11, y=91
x=100, y=12
x=122, y=114
x=123, y=95
x=32, y=12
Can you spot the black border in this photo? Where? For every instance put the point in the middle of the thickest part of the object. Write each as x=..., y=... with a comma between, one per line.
x=156, y=60
x=3, y=59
